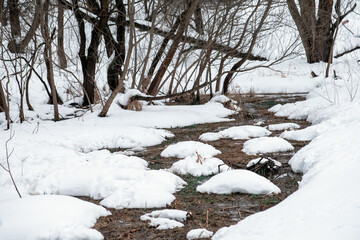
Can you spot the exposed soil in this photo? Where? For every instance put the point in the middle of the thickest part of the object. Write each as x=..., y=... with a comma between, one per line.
x=211, y=211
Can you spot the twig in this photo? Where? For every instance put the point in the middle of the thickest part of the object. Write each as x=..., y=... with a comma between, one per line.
x=8, y=155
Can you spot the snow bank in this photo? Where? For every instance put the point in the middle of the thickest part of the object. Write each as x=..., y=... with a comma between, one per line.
x=188, y=148
x=266, y=145
x=198, y=233
x=238, y=132
x=119, y=188
x=49, y=217
x=238, y=181
x=326, y=206
x=199, y=166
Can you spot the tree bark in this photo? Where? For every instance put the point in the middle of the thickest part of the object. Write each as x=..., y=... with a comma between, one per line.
x=115, y=67
x=315, y=29
x=3, y=18
x=60, y=38
x=88, y=62
x=16, y=45
x=48, y=58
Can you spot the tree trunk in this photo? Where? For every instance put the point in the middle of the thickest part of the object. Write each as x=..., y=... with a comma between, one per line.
x=16, y=45
x=60, y=38
x=315, y=29
x=3, y=104
x=115, y=67
x=88, y=62
x=153, y=89
x=3, y=18
x=48, y=58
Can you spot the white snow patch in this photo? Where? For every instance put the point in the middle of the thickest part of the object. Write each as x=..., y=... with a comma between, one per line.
x=238, y=132
x=326, y=206
x=199, y=166
x=238, y=181
x=188, y=148
x=283, y=126
x=266, y=145
x=49, y=217
x=199, y=233
x=166, y=219
x=119, y=188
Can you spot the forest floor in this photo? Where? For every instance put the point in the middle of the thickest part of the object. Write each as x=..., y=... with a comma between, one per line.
x=211, y=211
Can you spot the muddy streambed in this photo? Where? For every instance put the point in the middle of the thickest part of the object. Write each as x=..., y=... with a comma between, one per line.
x=212, y=211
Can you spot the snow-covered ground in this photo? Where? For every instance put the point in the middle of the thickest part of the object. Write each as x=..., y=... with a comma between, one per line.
x=327, y=205
x=66, y=159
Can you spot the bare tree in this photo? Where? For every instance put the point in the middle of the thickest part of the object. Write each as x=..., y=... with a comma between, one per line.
x=48, y=38
x=316, y=26
x=60, y=38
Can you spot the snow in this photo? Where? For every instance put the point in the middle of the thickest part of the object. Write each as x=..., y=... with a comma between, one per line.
x=68, y=158
x=266, y=145
x=261, y=161
x=238, y=132
x=199, y=166
x=326, y=206
x=238, y=181
x=119, y=188
x=199, y=233
x=166, y=218
x=188, y=148
x=283, y=126
x=49, y=217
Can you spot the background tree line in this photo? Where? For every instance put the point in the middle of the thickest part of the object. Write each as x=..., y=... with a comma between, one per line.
x=162, y=48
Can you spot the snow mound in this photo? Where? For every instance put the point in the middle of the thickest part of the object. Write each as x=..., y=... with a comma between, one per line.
x=49, y=217
x=238, y=132
x=306, y=134
x=188, y=148
x=266, y=145
x=262, y=161
x=119, y=188
x=283, y=126
x=238, y=181
x=221, y=99
x=198, y=233
x=166, y=219
x=198, y=166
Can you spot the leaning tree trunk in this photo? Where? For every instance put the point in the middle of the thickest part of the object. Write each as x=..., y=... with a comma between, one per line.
x=153, y=89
